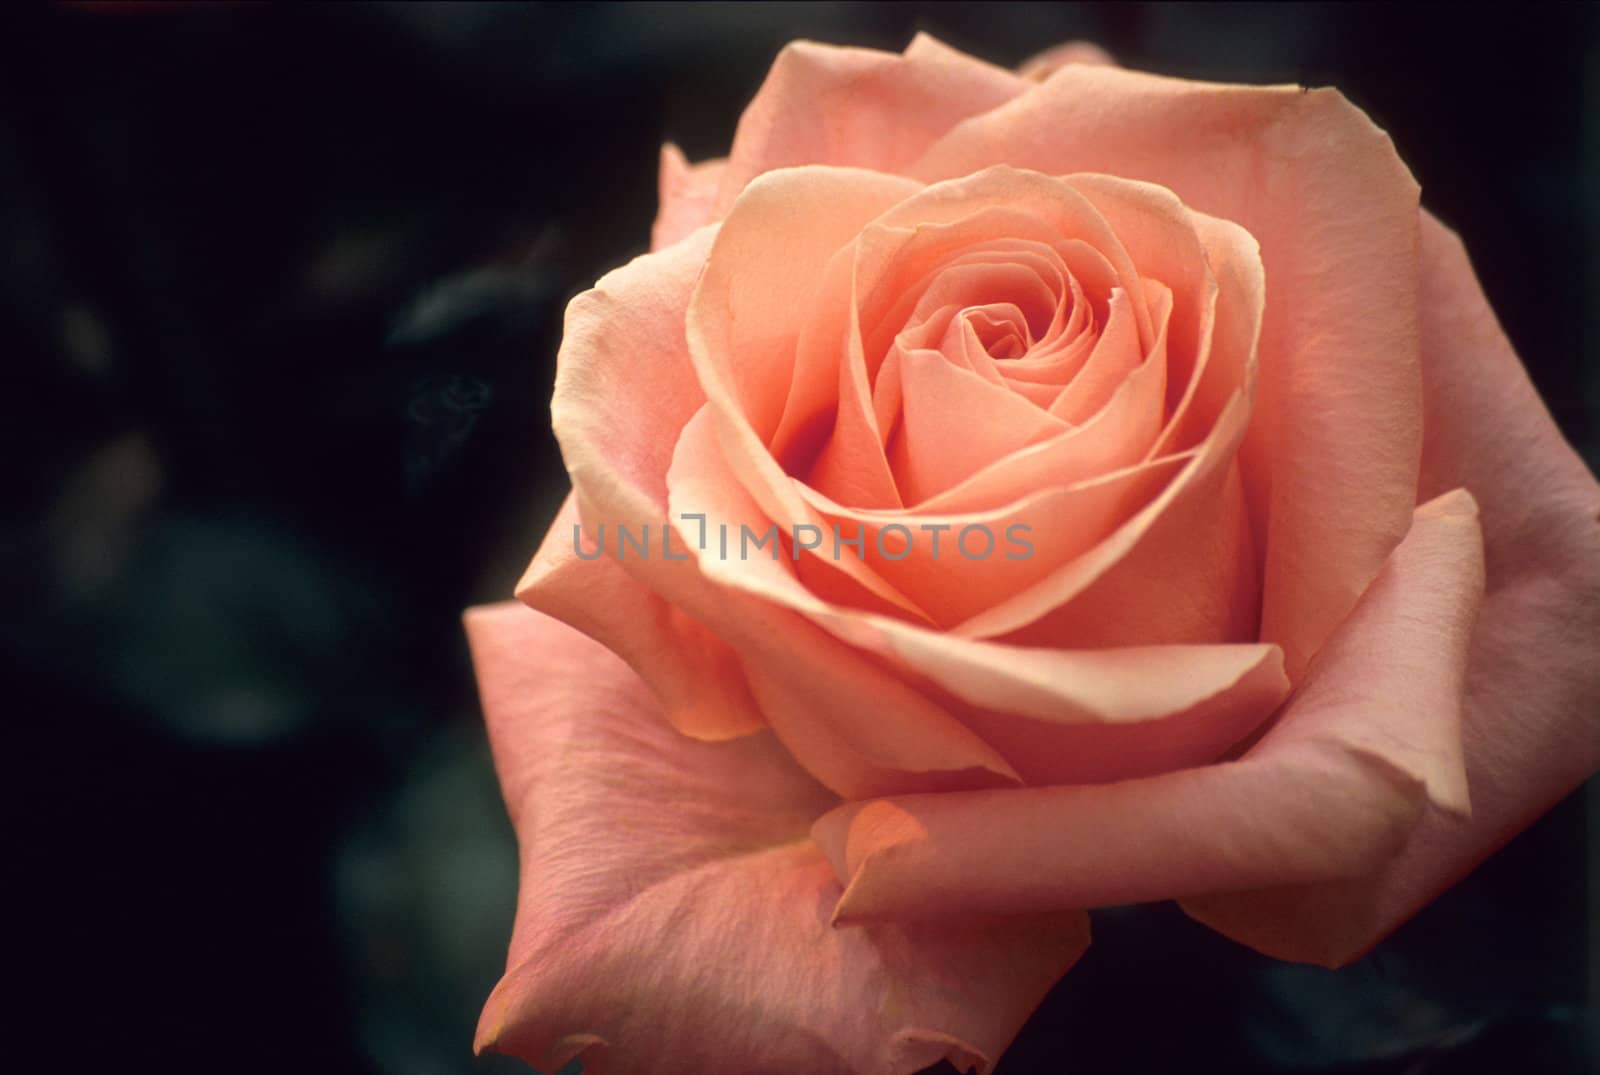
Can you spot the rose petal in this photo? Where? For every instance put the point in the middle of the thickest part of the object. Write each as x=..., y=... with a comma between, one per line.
x=672, y=914
x=620, y=372
x=1160, y=233
x=1093, y=716
x=763, y=276
x=853, y=724
x=955, y=567
x=1116, y=433
x=1530, y=716
x=1185, y=511
x=922, y=233
x=1330, y=791
x=756, y=319
x=688, y=196
x=938, y=397
x=1335, y=212
x=1039, y=67
x=1116, y=354
x=858, y=107
x=851, y=466
x=624, y=386
x=1186, y=572
x=1204, y=700
x=694, y=674
x=1195, y=576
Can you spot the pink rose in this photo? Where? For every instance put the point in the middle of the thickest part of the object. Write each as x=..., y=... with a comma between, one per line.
x=1236, y=435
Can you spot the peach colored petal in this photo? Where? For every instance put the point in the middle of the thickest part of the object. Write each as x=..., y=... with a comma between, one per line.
x=1159, y=525
x=763, y=276
x=696, y=677
x=1115, y=355
x=621, y=386
x=756, y=320
x=1233, y=359
x=852, y=466
x=853, y=724
x=1039, y=67
x=625, y=385
x=1161, y=234
x=1195, y=577
x=1067, y=267
x=672, y=914
x=619, y=371
x=1188, y=575
x=895, y=259
x=687, y=193
x=1204, y=700
x=743, y=319
x=1132, y=533
x=1334, y=211
x=905, y=245
x=1530, y=716
x=1093, y=716
x=921, y=320
x=1115, y=438
x=858, y=107
x=1330, y=791
x=1003, y=558
x=937, y=397
x=1200, y=727
x=922, y=232
x=747, y=316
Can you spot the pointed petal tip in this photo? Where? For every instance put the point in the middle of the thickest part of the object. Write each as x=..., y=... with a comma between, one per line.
x=917, y=1048
x=1455, y=504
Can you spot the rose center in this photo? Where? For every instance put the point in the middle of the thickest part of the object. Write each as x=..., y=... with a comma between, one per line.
x=1002, y=336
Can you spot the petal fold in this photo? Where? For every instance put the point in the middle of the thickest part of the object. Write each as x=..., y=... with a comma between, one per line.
x=1531, y=719
x=673, y=917
x=1331, y=791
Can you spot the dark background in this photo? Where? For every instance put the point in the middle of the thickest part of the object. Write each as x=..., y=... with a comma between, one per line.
x=281, y=292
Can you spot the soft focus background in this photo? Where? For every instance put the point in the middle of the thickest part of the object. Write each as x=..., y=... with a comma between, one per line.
x=281, y=293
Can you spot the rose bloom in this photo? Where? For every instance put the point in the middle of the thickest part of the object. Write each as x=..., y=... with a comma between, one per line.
x=1306, y=626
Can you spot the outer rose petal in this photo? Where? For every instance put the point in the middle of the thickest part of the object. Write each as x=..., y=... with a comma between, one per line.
x=1331, y=790
x=1334, y=451
x=859, y=107
x=694, y=674
x=673, y=917
x=1041, y=66
x=688, y=196
x=1532, y=711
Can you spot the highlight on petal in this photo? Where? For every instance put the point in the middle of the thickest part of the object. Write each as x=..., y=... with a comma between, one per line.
x=1531, y=722
x=1041, y=66
x=624, y=382
x=861, y=108
x=1333, y=462
x=673, y=915
x=1092, y=716
x=618, y=371
x=1330, y=791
